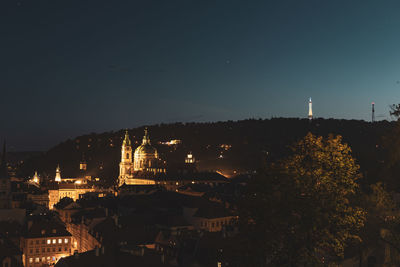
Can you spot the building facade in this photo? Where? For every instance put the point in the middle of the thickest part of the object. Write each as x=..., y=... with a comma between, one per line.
x=144, y=160
x=45, y=243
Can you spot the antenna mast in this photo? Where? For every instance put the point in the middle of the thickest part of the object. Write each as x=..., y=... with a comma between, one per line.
x=373, y=111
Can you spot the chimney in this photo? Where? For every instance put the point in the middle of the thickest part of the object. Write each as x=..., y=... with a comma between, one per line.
x=106, y=212
x=97, y=251
x=142, y=252
x=102, y=250
x=163, y=258
x=30, y=224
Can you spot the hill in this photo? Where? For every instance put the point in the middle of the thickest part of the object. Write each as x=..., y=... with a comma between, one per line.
x=226, y=146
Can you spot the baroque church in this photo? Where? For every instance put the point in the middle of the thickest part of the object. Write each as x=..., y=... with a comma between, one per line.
x=144, y=160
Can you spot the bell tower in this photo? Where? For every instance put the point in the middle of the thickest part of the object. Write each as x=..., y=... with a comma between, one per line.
x=126, y=165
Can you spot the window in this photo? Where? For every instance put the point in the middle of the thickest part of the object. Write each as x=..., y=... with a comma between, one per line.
x=31, y=242
x=43, y=249
x=48, y=258
x=36, y=259
x=59, y=241
x=30, y=251
x=59, y=249
x=48, y=241
x=37, y=251
x=65, y=249
x=54, y=249
x=54, y=241
x=43, y=259
x=48, y=249
x=37, y=242
x=30, y=260
x=66, y=240
x=43, y=241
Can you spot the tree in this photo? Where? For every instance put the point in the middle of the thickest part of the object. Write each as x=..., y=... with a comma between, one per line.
x=300, y=212
x=395, y=110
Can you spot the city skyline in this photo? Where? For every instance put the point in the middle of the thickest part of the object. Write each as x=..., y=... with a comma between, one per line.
x=75, y=68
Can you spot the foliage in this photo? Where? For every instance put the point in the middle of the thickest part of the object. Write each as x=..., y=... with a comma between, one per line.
x=395, y=110
x=300, y=212
x=63, y=202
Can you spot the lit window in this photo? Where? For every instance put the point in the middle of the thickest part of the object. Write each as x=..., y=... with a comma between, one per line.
x=43, y=259
x=54, y=241
x=36, y=259
x=66, y=240
x=59, y=241
x=48, y=258
x=48, y=241
x=30, y=260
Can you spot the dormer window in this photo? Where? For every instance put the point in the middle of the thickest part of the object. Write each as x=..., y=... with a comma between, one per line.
x=54, y=231
x=43, y=232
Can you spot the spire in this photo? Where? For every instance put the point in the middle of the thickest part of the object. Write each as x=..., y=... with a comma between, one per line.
x=310, y=114
x=58, y=174
x=146, y=139
x=36, y=178
x=127, y=141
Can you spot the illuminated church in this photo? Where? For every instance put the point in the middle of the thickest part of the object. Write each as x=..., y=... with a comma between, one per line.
x=144, y=160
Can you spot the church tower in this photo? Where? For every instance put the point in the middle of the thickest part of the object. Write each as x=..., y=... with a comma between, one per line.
x=126, y=165
x=58, y=174
x=310, y=115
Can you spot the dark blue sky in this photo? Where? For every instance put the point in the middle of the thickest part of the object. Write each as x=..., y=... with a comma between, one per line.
x=74, y=67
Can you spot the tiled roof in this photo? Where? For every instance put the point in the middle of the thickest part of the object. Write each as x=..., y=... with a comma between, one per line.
x=46, y=228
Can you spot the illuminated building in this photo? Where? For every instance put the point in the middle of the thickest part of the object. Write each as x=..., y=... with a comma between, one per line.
x=134, y=170
x=173, y=142
x=36, y=178
x=126, y=165
x=310, y=115
x=58, y=174
x=189, y=158
x=45, y=242
x=83, y=164
x=145, y=155
x=71, y=190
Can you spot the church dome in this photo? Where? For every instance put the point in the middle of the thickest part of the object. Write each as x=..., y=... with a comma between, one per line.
x=145, y=150
x=144, y=154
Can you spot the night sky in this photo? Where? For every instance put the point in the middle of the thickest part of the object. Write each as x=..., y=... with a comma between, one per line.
x=73, y=67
